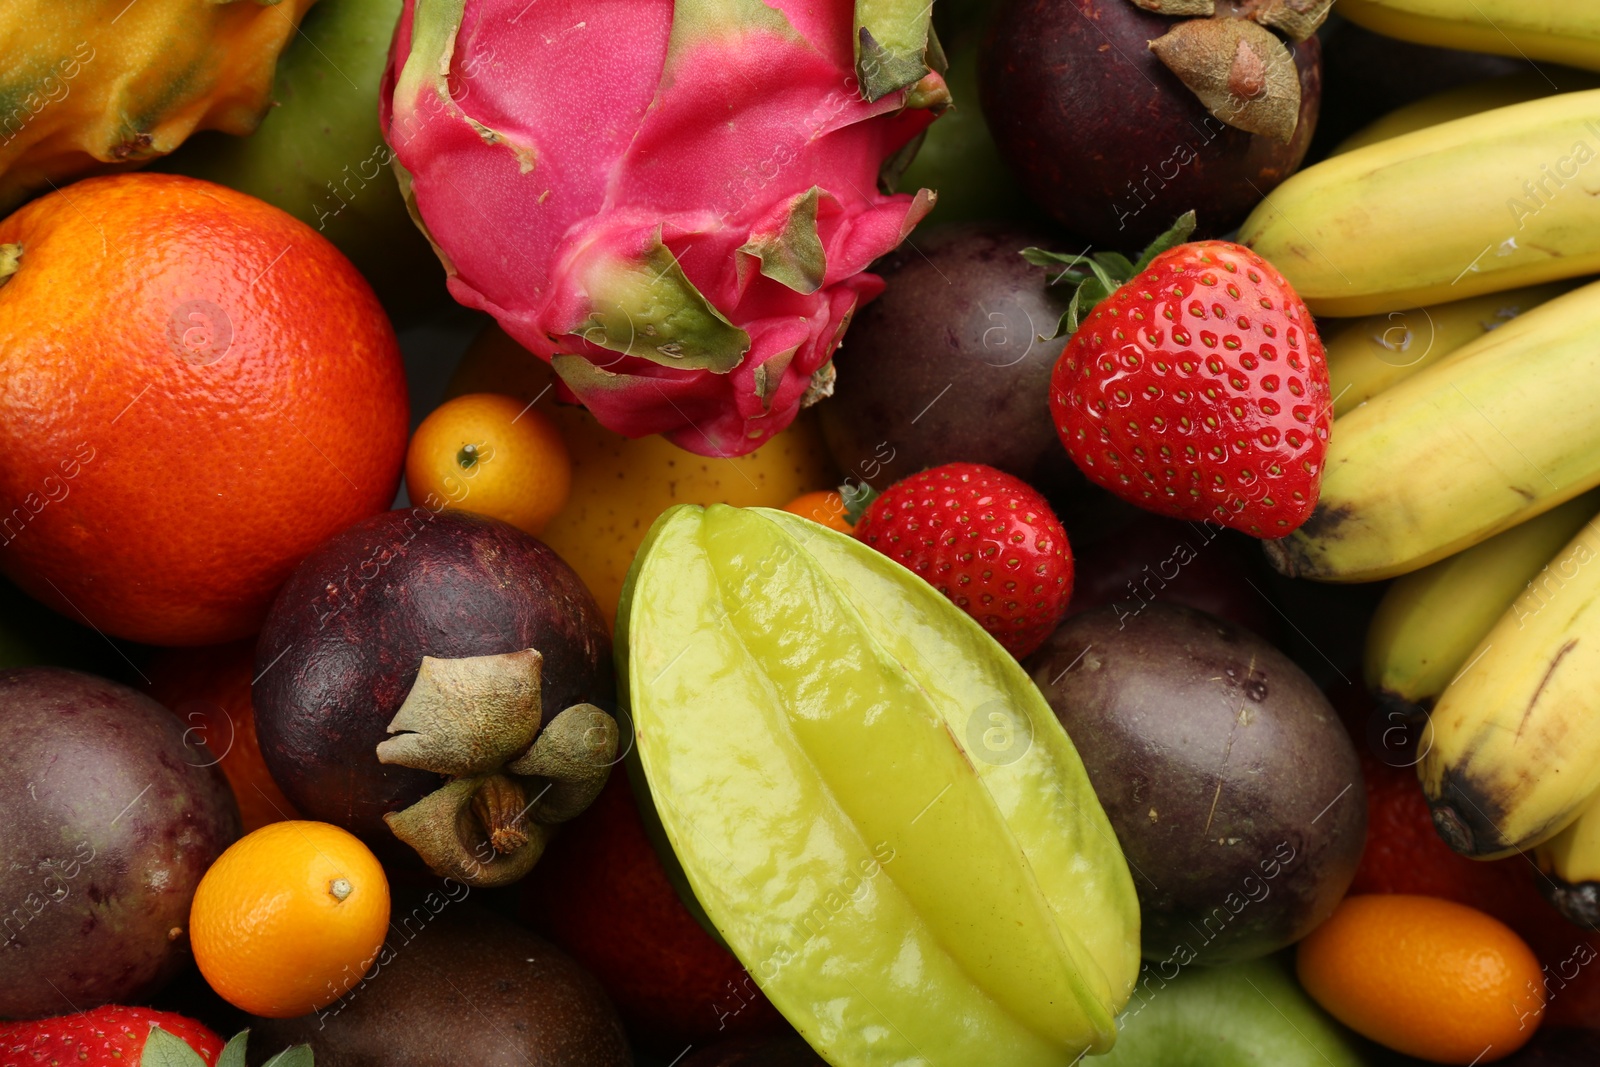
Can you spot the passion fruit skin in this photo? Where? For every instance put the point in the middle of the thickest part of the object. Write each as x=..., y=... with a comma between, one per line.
x=341, y=647
x=1105, y=138
x=110, y=813
x=457, y=985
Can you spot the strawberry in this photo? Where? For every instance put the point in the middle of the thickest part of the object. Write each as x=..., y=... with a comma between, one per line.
x=108, y=1035
x=1197, y=388
x=984, y=539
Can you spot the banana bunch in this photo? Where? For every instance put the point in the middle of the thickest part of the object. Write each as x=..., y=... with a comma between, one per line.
x=1372, y=353
x=1503, y=429
x=1562, y=31
x=1571, y=865
x=1481, y=204
x=1470, y=99
x=1430, y=622
x=1511, y=753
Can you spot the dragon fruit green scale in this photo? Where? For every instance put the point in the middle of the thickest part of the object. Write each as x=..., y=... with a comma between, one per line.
x=672, y=201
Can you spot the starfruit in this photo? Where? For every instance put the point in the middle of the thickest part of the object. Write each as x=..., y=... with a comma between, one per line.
x=870, y=800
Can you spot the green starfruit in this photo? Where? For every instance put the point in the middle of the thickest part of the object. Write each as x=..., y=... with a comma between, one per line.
x=871, y=801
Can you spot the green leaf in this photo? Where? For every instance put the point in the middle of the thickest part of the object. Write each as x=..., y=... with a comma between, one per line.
x=1115, y=262
x=857, y=497
x=1095, y=276
x=1175, y=236
x=233, y=1051
x=162, y=1049
x=1041, y=257
x=298, y=1056
x=1110, y=284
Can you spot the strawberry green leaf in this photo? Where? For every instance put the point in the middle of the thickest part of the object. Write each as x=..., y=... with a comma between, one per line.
x=857, y=498
x=233, y=1051
x=298, y=1056
x=1095, y=277
x=1118, y=264
x=1176, y=235
x=162, y=1049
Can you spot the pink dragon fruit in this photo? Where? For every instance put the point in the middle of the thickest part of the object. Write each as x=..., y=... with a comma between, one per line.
x=672, y=201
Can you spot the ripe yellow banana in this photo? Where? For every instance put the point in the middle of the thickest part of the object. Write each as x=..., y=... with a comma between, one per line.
x=1562, y=31
x=1471, y=99
x=1430, y=621
x=1372, y=353
x=1512, y=749
x=1495, y=201
x=1570, y=862
x=1504, y=429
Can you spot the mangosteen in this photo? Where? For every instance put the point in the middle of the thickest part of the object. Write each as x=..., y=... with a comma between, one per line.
x=947, y=366
x=438, y=683
x=1117, y=119
x=110, y=813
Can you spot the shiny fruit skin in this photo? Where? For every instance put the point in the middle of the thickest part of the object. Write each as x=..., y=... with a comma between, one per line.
x=1427, y=977
x=109, y=817
x=602, y=896
x=208, y=689
x=1199, y=390
x=620, y=485
x=983, y=538
x=290, y=918
x=108, y=1036
x=492, y=455
x=185, y=418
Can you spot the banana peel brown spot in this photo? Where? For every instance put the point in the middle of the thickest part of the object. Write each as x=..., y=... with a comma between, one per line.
x=1555, y=661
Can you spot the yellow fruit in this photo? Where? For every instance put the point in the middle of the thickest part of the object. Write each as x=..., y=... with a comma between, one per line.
x=98, y=85
x=492, y=455
x=620, y=485
x=289, y=918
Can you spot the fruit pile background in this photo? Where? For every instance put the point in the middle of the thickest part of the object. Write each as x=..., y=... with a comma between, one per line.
x=713, y=534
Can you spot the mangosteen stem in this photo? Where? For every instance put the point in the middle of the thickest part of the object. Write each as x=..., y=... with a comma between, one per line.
x=448, y=835
x=476, y=720
x=501, y=805
x=10, y=261
x=574, y=753
x=467, y=716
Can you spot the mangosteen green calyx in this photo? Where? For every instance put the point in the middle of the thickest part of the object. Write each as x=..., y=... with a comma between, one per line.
x=1242, y=73
x=475, y=720
x=438, y=684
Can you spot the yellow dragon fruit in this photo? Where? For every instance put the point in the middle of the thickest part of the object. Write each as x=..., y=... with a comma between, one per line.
x=94, y=85
x=672, y=201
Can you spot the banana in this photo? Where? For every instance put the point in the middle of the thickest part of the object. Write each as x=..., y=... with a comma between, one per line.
x=1369, y=354
x=1570, y=862
x=1430, y=621
x=1512, y=749
x=1501, y=430
x=1562, y=31
x=1471, y=99
x=1495, y=201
